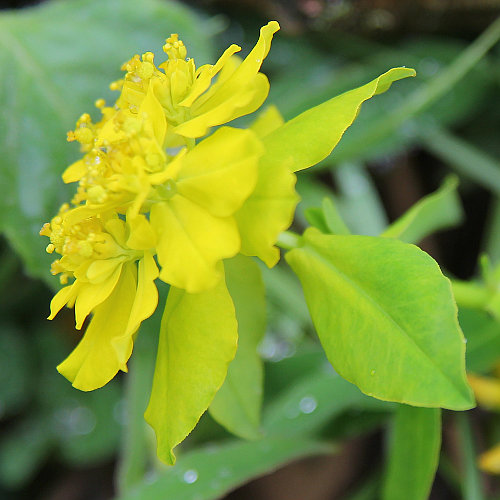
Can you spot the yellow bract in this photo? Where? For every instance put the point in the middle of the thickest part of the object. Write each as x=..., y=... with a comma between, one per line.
x=152, y=190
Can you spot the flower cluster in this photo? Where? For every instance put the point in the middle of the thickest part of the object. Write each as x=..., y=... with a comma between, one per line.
x=158, y=197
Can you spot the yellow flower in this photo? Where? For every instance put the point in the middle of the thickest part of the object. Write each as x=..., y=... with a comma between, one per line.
x=137, y=197
x=112, y=264
x=191, y=104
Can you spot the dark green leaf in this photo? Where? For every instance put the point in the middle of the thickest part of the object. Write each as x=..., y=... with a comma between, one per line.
x=206, y=474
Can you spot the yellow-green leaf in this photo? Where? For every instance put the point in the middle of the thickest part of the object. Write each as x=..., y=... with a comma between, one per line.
x=238, y=403
x=310, y=137
x=386, y=317
x=198, y=339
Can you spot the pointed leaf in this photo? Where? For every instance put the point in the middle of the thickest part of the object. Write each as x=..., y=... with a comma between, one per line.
x=237, y=404
x=438, y=210
x=310, y=137
x=386, y=317
x=413, y=453
x=208, y=473
x=198, y=340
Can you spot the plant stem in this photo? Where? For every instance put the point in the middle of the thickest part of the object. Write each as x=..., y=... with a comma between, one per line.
x=288, y=240
x=471, y=484
x=468, y=294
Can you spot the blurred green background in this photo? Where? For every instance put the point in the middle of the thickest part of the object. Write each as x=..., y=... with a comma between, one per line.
x=57, y=58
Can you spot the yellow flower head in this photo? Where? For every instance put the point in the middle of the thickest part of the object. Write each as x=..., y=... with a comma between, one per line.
x=149, y=192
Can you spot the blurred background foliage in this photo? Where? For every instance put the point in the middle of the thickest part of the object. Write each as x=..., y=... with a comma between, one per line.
x=58, y=57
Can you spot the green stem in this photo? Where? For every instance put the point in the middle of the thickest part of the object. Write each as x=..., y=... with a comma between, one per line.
x=471, y=484
x=135, y=448
x=463, y=157
x=427, y=94
x=288, y=240
x=469, y=294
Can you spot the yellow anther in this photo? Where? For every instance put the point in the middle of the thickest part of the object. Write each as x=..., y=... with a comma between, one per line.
x=46, y=230
x=97, y=194
x=84, y=135
x=100, y=103
x=85, y=248
x=117, y=85
x=148, y=57
x=71, y=136
x=85, y=118
x=174, y=47
x=50, y=248
x=146, y=70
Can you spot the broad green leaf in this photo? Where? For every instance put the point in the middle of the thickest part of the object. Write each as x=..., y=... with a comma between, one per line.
x=238, y=403
x=56, y=59
x=198, y=339
x=209, y=473
x=436, y=211
x=386, y=318
x=413, y=453
x=313, y=401
x=310, y=137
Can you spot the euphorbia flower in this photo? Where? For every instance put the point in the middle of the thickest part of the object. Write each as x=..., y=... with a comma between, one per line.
x=151, y=186
x=112, y=264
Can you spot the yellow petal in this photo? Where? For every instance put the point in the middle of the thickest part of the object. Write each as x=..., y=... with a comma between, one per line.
x=191, y=242
x=152, y=110
x=205, y=74
x=100, y=270
x=490, y=460
x=142, y=236
x=62, y=297
x=74, y=172
x=145, y=302
x=268, y=211
x=90, y=295
x=246, y=100
x=220, y=173
x=94, y=362
x=235, y=94
x=486, y=390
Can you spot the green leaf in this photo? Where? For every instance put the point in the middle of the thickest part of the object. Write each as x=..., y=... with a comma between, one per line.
x=413, y=453
x=386, y=318
x=56, y=60
x=333, y=218
x=310, y=137
x=238, y=403
x=209, y=473
x=327, y=218
x=482, y=332
x=436, y=211
x=198, y=339
x=311, y=402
